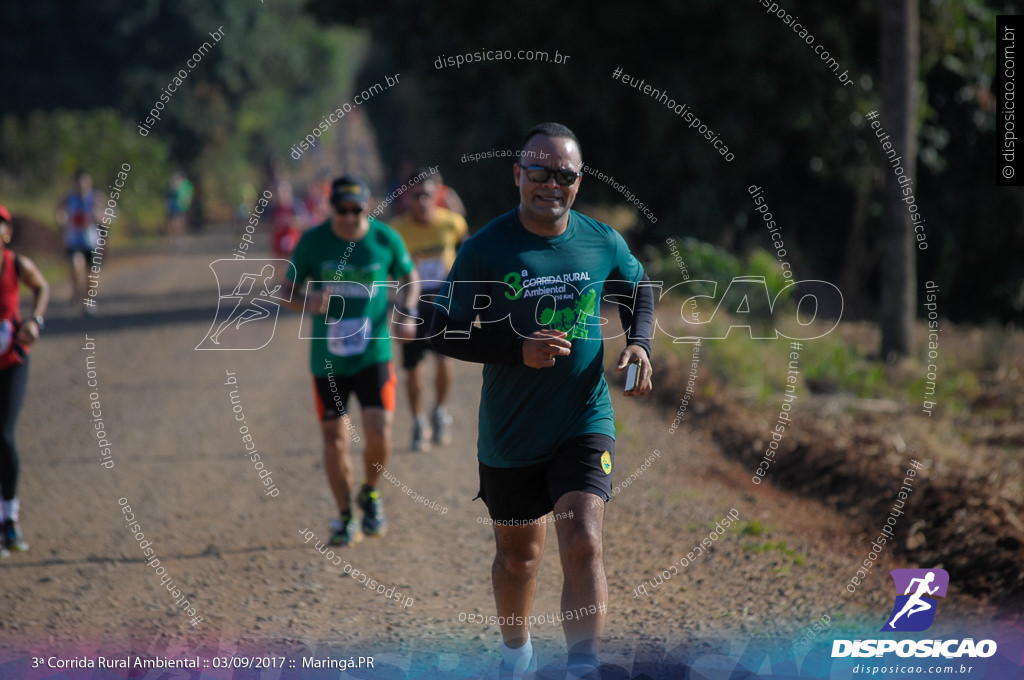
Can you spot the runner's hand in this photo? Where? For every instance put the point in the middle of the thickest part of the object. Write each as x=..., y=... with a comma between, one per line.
x=318, y=302
x=402, y=332
x=541, y=348
x=634, y=354
x=28, y=332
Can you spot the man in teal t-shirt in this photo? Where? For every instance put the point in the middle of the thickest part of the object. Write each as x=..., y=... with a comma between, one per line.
x=351, y=263
x=534, y=278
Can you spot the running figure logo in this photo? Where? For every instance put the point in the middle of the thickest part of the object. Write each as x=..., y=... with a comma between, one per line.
x=247, y=316
x=916, y=611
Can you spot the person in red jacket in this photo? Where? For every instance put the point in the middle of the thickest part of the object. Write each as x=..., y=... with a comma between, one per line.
x=288, y=221
x=16, y=335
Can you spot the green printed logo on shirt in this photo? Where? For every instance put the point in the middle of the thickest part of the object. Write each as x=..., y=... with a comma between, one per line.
x=572, y=320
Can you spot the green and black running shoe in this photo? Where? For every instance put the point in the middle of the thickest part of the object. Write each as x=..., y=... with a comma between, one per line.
x=345, y=530
x=374, y=522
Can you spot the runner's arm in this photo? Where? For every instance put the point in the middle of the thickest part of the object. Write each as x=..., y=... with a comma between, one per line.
x=409, y=292
x=288, y=298
x=29, y=274
x=460, y=340
x=406, y=300
x=638, y=320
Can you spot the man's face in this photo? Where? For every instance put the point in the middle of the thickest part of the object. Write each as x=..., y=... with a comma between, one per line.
x=347, y=214
x=423, y=203
x=547, y=201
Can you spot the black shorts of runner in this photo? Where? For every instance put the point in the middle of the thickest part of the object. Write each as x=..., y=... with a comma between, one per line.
x=87, y=252
x=582, y=463
x=414, y=351
x=374, y=388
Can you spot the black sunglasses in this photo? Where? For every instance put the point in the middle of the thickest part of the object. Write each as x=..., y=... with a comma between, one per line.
x=540, y=174
x=347, y=211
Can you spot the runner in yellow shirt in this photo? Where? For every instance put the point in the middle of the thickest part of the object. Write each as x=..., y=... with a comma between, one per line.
x=432, y=234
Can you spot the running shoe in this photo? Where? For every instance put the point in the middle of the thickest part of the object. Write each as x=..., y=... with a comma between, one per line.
x=420, y=434
x=522, y=671
x=583, y=667
x=345, y=530
x=442, y=425
x=374, y=522
x=12, y=538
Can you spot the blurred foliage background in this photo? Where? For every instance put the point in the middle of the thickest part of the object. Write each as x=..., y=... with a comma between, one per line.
x=79, y=78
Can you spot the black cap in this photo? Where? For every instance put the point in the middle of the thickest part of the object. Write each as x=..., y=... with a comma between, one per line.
x=349, y=188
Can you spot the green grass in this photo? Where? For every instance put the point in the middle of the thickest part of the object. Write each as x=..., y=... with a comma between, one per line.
x=757, y=369
x=775, y=546
x=752, y=528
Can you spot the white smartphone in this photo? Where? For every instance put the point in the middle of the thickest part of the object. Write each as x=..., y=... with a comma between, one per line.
x=632, y=375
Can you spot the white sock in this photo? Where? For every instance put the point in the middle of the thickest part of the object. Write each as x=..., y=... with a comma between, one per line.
x=517, y=657
x=9, y=510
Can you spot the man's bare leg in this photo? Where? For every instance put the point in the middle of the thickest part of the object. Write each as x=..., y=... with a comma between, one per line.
x=514, y=576
x=377, y=423
x=580, y=547
x=337, y=462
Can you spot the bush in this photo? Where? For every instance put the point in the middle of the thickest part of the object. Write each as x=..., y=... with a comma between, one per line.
x=47, y=147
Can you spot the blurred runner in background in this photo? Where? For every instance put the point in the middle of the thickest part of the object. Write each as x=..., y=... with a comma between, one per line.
x=179, y=202
x=78, y=214
x=16, y=334
x=288, y=220
x=432, y=234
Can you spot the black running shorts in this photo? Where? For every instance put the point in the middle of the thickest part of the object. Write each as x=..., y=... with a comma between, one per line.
x=414, y=351
x=374, y=388
x=582, y=463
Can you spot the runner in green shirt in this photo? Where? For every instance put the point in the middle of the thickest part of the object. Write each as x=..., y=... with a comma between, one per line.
x=351, y=263
x=534, y=279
